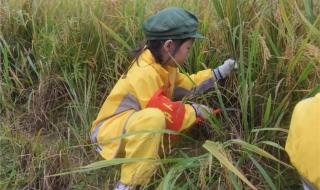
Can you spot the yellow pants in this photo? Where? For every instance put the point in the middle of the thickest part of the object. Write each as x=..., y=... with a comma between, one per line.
x=133, y=135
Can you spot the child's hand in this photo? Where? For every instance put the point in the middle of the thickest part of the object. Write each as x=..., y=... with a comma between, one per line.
x=202, y=111
x=224, y=70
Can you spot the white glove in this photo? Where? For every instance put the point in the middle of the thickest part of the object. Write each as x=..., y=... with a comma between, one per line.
x=224, y=70
x=202, y=111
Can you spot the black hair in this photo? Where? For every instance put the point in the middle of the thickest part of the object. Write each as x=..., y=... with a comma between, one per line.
x=155, y=48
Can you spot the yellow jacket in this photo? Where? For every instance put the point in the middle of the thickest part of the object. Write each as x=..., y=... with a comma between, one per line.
x=303, y=143
x=143, y=79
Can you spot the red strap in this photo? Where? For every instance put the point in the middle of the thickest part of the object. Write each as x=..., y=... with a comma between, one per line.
x=174, y=111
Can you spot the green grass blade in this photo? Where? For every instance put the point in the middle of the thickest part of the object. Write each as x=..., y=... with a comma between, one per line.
x=257, y=150
x=216, y=150
x=175, y=171
x=312, y=27
x=234, y=180
x=5, y=61
x=117, y=161
x=306, y=71
x=102, y=164
x=276, y=145
x=270, y=129
x=266, y=116
x=264, y=173
x=308, y=7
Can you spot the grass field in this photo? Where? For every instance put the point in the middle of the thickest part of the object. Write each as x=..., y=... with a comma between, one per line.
x=59, y=59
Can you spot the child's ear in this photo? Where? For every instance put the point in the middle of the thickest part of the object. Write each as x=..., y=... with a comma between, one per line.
x=168, y=46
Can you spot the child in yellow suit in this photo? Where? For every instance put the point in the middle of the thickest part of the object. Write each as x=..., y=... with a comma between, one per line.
x=140, y=103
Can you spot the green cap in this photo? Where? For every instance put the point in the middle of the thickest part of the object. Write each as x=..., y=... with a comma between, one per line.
x=171, y=23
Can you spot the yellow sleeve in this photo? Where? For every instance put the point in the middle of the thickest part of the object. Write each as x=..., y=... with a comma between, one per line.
x=191, y=84
x=189, y=117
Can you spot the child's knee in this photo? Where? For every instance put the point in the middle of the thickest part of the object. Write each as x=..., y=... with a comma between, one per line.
x=146, y=119
x=157, y=117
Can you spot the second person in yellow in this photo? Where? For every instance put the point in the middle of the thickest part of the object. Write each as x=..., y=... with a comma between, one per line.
x=303, y=143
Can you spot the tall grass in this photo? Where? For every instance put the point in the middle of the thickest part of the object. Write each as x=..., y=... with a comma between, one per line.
x=60, y=59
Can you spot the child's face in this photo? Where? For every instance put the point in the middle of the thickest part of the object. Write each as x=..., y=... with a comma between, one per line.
x=182, y=53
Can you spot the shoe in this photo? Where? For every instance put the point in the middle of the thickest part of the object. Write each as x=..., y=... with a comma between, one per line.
x=121, y=186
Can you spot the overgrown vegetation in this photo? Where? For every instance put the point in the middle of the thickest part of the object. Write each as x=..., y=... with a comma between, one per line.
x=59, y=60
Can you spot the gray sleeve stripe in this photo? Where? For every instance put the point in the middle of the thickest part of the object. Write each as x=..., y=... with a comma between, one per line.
x=180, y=92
